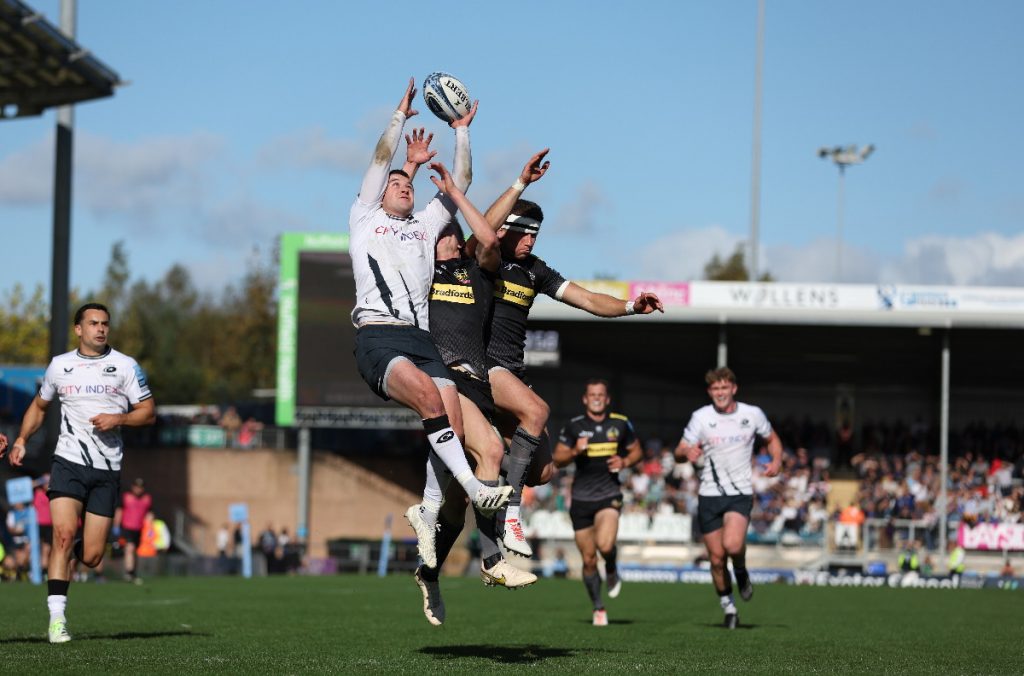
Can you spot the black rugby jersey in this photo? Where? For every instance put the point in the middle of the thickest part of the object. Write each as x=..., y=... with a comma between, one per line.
x=612, y=436
x=518, y=285
x=461, y=304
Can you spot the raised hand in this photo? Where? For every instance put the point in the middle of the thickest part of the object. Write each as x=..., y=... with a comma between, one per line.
x=405, y=105
x=444, y=181
x=418, y=148
x=535, y=168
x=466, y=120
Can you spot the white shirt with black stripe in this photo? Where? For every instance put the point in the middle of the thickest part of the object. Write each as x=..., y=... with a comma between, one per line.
x=86, y=387
x=393, y=258
x=727, y=441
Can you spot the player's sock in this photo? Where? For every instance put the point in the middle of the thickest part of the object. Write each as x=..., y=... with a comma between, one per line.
x=610, y=562
x=438, y=478
x=726, y=601
x=447, y=534
x=593, y=585
x=519, y=457
x=488, y=537
x=446, y=444
x=57, y=599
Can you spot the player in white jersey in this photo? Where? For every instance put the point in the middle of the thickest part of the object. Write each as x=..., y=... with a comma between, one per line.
x=100, y=390
x=392, y=249
x=719, y=440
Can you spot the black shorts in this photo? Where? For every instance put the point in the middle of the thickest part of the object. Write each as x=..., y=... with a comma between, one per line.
x=377, y=345
x=97, y=489
x=131, y=536
x=476, y=390
x=582, y=512
x=711, y=509
x=46, y=534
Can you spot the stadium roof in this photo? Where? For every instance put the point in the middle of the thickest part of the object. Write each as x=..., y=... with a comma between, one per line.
x=42, y=68
x=703, y=302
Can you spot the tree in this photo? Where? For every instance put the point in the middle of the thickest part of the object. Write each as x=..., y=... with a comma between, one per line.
x=26, y=321
x=732, y=269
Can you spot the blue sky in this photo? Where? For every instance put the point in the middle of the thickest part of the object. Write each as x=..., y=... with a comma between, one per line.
x=246, y=119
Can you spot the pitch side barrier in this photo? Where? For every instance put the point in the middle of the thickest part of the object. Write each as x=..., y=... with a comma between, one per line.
x=693, y=575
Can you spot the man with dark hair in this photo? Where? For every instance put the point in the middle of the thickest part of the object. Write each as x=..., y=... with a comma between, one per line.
x=599, y=443
x=100, y=390
x=461, y=307
x=392, y=251
x=522, y=276
x=719, y=440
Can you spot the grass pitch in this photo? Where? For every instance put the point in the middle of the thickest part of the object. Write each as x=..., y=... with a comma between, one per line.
x=350, y=624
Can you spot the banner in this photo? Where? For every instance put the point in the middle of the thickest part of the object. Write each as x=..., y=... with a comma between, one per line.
x=992, y=536
x=671, y=294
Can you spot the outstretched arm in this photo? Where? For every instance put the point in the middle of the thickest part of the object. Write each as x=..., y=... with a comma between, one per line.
x=535, y=168
x=487, y=241
x=442, y=207
x=603, y=305
x=372, y=188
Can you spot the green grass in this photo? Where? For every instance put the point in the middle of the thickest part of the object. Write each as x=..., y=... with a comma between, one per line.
x=347, y=624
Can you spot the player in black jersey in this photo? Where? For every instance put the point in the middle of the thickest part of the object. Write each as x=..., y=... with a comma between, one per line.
x=522, y=277
x=461, y=304
x=599, y=443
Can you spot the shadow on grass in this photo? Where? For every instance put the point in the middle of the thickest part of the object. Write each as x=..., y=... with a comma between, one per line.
x=523, y=654
x=120, y=636
x=743, y=625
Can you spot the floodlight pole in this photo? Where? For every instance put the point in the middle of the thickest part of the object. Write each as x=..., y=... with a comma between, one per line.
x=59, y=281
x=944, y=444
x=843, y=157
x=303, y=468
x=755, y=163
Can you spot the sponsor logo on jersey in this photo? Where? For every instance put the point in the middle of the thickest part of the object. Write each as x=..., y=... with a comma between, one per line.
x=110, y=369
x=745, y=422
x=613, y=433
x=452, y=293
x=401, y=234
x=602, y=449
x=75, y=390
x=68, y=370
x=514, y=293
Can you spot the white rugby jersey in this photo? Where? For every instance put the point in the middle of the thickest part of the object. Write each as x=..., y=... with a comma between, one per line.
x=86, y=387
x=727, y=440
x=393, y=258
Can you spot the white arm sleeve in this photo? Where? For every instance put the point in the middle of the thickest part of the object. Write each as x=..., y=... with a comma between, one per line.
x=372, y=189
x=442, y=208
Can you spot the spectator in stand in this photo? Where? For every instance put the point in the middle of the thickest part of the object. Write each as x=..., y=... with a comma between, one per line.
x=231, y=423
x=223, y=549
x=129, y=520
x=249, y=432
x=268, y=545
x=43, y=518
x=17, y=530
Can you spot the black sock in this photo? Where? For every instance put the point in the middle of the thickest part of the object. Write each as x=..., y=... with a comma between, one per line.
x=742, y=576
x=727, y=591
x=492, y=560
x=57, y=587
x=520, y=455
x=610, y=558
x=593, y=585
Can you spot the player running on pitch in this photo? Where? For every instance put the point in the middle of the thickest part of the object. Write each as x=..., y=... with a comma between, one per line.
x=522, y=276
x=392, y=251
x=599, y=443
x=719, y=440
x=100, y=389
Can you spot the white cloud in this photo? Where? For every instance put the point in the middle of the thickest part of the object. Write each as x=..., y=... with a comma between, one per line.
x=985, y=259
x=26, y=176
x=682, y=255
x=313, y=149
x=580, y=215
x=241, y=221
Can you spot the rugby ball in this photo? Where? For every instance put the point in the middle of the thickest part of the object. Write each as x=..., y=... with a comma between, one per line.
x=446, y=97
